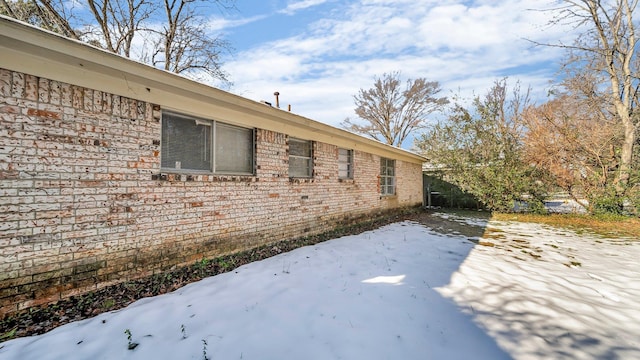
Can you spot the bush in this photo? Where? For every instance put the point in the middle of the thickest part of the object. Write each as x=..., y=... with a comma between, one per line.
x=634, y=201
x=607, y=204
x=536, y=206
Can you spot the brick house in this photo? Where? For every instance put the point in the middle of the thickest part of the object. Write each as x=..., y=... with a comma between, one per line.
x=112, y=170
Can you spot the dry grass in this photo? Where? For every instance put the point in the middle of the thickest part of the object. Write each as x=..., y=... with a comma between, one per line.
x=615, y=227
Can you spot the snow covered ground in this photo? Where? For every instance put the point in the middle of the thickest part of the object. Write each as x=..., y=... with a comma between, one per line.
x=404, y=291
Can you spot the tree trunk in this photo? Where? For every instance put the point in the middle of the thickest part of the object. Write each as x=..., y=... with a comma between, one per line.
x=626, y=157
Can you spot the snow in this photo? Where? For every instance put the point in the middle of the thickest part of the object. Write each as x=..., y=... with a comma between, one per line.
x=403, y=291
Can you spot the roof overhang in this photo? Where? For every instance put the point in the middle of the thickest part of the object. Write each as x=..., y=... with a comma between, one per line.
x=34, y=51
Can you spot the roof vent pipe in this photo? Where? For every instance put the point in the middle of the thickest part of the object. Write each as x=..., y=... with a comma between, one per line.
x=277, y=100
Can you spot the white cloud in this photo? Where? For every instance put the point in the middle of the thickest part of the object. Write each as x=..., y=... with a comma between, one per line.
x=217, y=23
x=464, y=46
x=295, y=6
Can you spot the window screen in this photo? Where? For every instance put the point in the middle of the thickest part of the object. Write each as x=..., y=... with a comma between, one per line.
x=300, y=158
x=234, y=149
x=189, y=144
x=186, y=143
x=345, y=164
x=387, y=176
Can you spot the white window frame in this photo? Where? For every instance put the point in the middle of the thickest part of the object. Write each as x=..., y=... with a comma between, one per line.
x=345, y=163
x=212, y=153
x=387, y=177
x=306, y=157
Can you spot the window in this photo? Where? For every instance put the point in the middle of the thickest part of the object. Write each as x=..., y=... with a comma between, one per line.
x=387, y=176
x=192, y=144
x=234, y=149
x=300, y=158
x=345, y=164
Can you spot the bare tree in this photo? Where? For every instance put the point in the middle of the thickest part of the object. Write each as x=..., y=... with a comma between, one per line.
x=389, y=113
x=175, y=32
x=607, y=46
x=119, y=21
x=41, y=13
x=184, y=45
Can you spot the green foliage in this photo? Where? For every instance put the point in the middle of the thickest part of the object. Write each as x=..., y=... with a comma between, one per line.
x=448, y=195
x=130, y=344
x=633, y=192
x=225, y=264
x=9, y=334
x=480, y=151
x=536, y=205
x=202, y=264
x=606, y=203
x=108, y=303
x=634, y=202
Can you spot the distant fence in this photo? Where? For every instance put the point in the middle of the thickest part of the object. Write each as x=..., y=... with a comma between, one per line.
x=440, y=193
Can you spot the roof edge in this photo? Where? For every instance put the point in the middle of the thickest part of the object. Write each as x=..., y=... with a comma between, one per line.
x=39, y=52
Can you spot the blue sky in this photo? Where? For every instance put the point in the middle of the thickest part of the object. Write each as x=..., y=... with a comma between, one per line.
x=319, y=53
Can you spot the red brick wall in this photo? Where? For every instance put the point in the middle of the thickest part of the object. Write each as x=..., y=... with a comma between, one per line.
x=83, y=203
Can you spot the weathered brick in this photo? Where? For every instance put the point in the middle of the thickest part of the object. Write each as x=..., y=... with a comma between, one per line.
x=84, y=203
x=5, y=82
x=55, y=94
x=31, y=88
x=43, y=90
x=41, y=277
x=17, y=85
x=116, y=110
x=66, y=95
x=15, y=282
